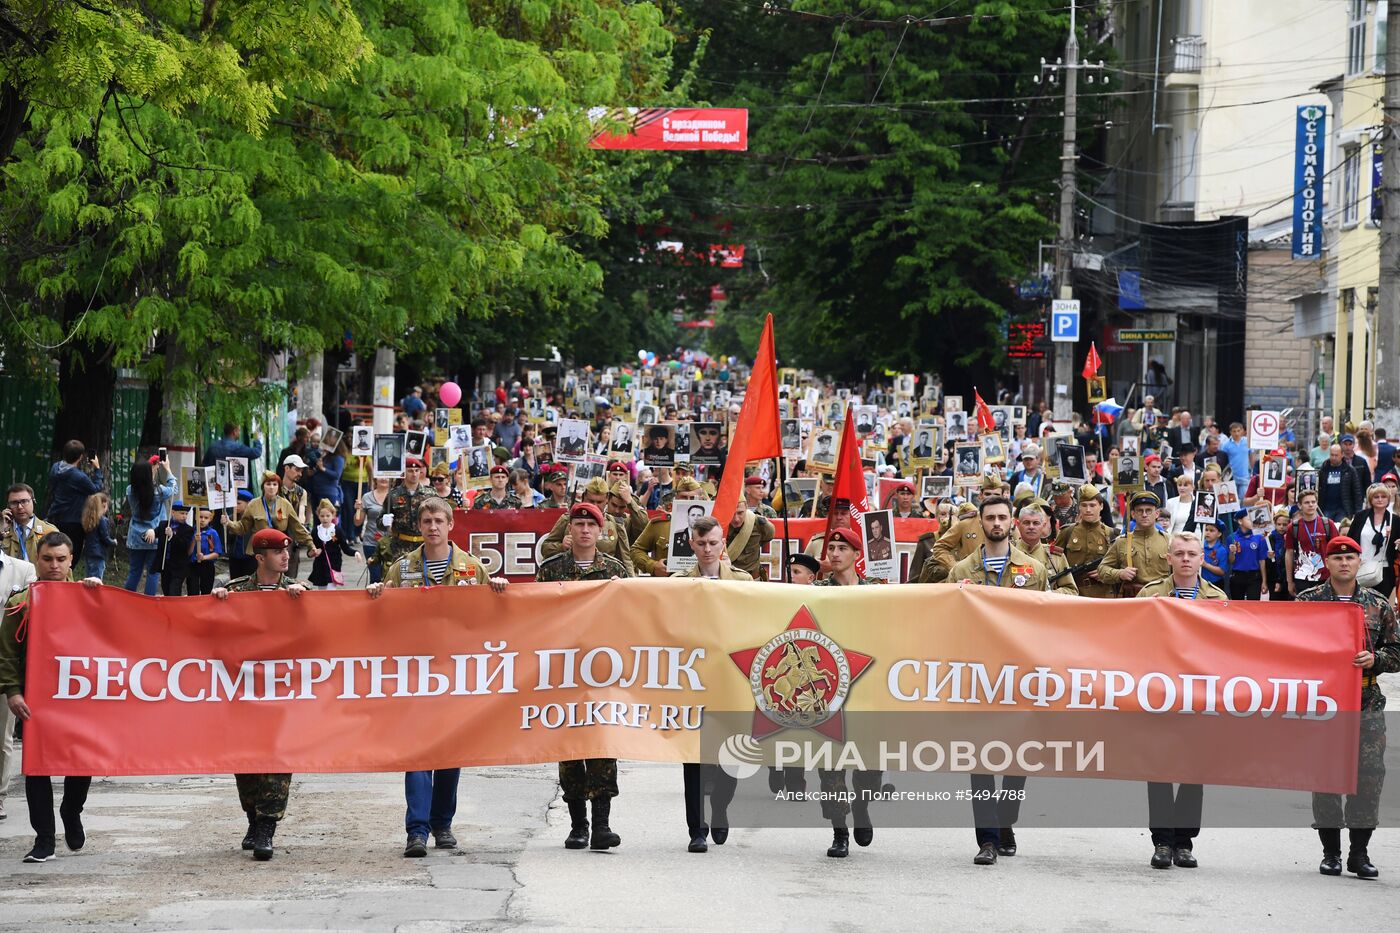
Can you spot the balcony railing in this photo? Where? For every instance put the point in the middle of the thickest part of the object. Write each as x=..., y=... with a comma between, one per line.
x=1188, y=52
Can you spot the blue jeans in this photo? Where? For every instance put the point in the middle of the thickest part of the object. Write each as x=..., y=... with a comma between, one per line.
x=96, y=566
x=376, y=572
x=141, y=562
x=432, y=800
x=348, y=531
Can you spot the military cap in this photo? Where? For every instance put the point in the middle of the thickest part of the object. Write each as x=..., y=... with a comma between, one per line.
x=617, y=466
x=269, y=477
x=806, y=560
x=849, y=535
x=754, y=481
x=499, y=470
x=246, y=495
x=1342, y=545
x=413, y=461
x=1145, y=498
x=966, y=508
x=270, y=539
x=903, y=486
x=1088, y=491
x=586, y=510
x=620, y=489
x=179, y=507
x=441, y=469
x=991, y=482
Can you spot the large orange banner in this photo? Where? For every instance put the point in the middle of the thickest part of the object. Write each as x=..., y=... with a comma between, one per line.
x=123, y=684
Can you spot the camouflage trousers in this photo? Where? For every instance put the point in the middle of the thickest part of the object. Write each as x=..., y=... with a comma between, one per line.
x=837, y=800
x=1362, y=809
x=588, y=779
x=264, y=795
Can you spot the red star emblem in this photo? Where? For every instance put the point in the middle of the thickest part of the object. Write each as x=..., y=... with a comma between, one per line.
x=801, y=680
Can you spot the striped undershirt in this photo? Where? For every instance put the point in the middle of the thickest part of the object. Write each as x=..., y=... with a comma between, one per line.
x=996, y=564
x=434, y=569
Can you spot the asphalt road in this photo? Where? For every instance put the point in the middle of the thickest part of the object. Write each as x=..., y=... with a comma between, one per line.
x=163, y=855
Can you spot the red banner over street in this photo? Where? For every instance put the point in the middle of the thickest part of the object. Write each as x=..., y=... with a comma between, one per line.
x=677, y=128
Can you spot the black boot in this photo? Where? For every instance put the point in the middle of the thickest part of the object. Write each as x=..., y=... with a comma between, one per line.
x=263, y=829
x=1331, y=851
x=1358, y=862
x=74, y=836
x=578, y=825
x=864, y=830
x=248, y=836
x=603, y=837
x=1006, y=841
x=840, y=843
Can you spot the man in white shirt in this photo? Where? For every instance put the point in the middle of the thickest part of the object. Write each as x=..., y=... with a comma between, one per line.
x=15, y=575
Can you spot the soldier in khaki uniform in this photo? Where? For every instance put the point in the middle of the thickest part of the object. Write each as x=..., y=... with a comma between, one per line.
x=1141, y=556
x=1085, y=541
x=625, y=509
x=923, y=548
x=1175, y=813
x=264, y=796
x=432, y=795
x=653, y=545
x=1033, y=522
x=748, y=533
x=270, y=510
x=958, y=542
x=997, y=562
x=554, y=483
x=613, y=540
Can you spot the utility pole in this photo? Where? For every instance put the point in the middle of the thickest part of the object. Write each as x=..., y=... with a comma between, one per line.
x=1063, y=378
x=1387, y=412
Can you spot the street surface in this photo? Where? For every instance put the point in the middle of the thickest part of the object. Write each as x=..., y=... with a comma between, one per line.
x=163, y=854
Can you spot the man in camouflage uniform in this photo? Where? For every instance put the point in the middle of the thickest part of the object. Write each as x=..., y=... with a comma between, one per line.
x=592, y=779
x=1381, y=655
x=1139, y=557
x=1175, y=813
x=554, y=483
x=997, y=562
x=499, y=497
x=841, y=556
x=53, y=561
x=403, y=502
x=904, y=505
x=1033, y=522
x=440, y=478
x=755, y=489
x=264, y=796
x=431, y=796
x=1064, y=504
x=1087, y=540
x=291, y=490
x=613, y=540
x=653, y=545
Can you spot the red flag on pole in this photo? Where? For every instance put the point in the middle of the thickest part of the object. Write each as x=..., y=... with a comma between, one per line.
x=848, y=487
x=985, y=422
x=1092, y=362
x=756, y=432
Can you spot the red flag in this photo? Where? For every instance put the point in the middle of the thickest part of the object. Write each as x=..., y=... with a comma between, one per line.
x=848, y=485
x=1092, y=362
x=986, y=424
x=756, y=432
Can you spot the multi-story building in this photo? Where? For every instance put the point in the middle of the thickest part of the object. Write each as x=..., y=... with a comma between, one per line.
x=1190, y=199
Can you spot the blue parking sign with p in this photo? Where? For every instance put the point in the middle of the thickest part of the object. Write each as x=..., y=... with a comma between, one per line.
x=1064, y=321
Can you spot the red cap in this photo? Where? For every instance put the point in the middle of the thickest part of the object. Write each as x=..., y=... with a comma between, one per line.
x=848, y=535
x=414, y=461
x=1151, y=458
x=270, y=539
x=586, y=510
x=502, y=470
x=1390, y=476
x=903, y=487
x=754, y=481
x=617, y=466
x=1342, y=545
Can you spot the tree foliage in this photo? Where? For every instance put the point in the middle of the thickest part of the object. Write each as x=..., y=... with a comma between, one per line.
x=226, y=182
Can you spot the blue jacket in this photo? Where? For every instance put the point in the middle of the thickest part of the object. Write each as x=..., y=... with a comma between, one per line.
x=140, y=524
x=325, y=482
x=227, y=447
x=70, y=488
x=1385, y=459
x=98, y=543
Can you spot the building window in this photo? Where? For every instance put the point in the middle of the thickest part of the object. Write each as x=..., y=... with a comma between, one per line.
x=1356, y=37
x=1382, y=12
x=1351, y=185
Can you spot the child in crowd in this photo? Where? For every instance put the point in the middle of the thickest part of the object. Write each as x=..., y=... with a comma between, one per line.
x=325, y=570
x=99, y=539
x=205, y=550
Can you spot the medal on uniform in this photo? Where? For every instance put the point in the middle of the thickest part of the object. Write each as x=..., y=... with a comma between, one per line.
x=1019, y=579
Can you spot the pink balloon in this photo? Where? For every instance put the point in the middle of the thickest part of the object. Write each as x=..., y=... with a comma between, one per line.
x=450, y=393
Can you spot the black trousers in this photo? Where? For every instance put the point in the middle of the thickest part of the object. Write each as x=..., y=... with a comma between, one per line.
x=1244, y=584
x=1174, y=813
x=201, y=579
x=172, y=578
x=990, y=816
x=720, y=797
x=38, y=791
